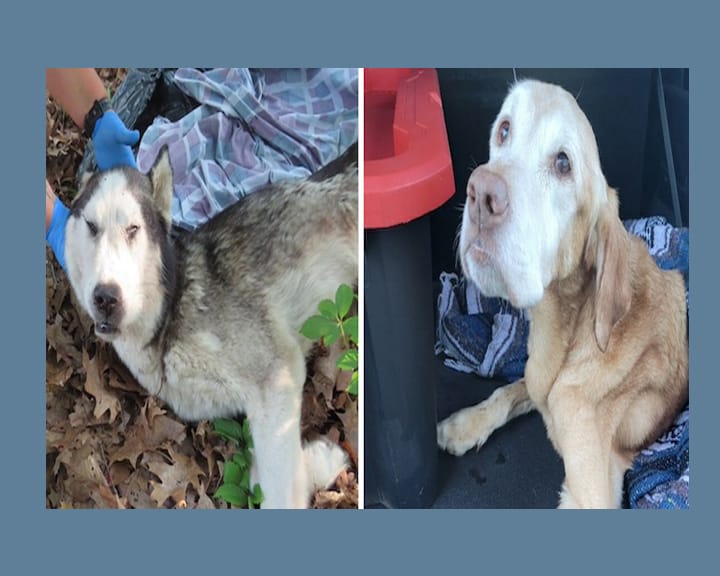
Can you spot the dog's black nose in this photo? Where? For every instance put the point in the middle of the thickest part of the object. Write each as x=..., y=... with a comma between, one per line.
x=488, y=197
x=106, y=298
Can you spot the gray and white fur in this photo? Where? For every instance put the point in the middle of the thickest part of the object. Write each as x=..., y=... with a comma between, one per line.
x=210, y=321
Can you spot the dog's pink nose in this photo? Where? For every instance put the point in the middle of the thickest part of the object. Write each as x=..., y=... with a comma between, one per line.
x=487, y=197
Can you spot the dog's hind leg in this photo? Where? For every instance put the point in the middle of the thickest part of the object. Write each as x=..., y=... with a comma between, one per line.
x=472, y=426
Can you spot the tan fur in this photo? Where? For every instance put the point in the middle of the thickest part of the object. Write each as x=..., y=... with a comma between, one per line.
x=608, y=355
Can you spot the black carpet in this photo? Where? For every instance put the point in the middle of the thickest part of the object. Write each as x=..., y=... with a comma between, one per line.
x=516, y=468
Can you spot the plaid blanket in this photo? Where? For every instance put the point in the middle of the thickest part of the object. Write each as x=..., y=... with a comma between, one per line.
x=252, y=127
x=488, y=337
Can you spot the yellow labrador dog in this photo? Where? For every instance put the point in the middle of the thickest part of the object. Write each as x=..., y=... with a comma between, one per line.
x=608, y=356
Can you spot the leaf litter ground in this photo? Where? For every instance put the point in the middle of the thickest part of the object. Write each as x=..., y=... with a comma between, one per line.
x=111, y=445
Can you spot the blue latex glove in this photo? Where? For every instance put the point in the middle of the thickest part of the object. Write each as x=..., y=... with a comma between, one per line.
x=113, y=141
x=55, y=235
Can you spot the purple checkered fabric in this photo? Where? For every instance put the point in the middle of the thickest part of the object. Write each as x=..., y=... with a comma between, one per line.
x=253, y=127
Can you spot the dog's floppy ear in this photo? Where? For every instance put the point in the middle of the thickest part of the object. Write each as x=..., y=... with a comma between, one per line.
x=608, y=250
x=162, y=184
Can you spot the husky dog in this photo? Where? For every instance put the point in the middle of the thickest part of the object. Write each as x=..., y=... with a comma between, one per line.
x=210, y=321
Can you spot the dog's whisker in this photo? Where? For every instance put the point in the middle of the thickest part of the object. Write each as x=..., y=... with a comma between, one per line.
x=577, y=96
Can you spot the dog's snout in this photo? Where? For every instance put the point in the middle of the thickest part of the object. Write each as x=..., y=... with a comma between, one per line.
x=107, y=298
x=488, y=197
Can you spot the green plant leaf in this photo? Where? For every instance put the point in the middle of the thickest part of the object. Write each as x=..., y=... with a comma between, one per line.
x=232, y=472
x=343, y=299
x=349, y=360
x=247, y=435
x=230, y=429
x=353, y=386
x=242, y=459
x=316, y=327
x=257, y=495
x=350, y=326
x=331, y=338
x=232, y=494
x=328, y=309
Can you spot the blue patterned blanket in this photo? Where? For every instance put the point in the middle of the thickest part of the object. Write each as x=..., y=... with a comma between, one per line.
x=488, y=337
x=252, y=127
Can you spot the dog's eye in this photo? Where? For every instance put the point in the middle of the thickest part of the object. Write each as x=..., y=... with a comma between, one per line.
x=131, y=231
x=92, y=228
x=562, y=164
x=504, y=131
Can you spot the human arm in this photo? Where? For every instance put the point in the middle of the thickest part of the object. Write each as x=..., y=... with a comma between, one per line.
x=76, y=90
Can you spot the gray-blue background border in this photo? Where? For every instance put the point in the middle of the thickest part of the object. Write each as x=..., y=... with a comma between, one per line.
x=523, y=34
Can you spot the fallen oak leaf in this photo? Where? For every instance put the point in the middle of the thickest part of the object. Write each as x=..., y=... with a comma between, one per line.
x=174, y=478
x=105, y=399
x=204, y=502
x=119, y=377
x=151, y=429
x=81, y=417
x=105, y=497
x=63, y=344
x=83, y=461
x=137, y=489
x=57, y=373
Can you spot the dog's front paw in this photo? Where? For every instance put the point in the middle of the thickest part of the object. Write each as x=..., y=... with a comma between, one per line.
x=465, y=429
x=324, y=461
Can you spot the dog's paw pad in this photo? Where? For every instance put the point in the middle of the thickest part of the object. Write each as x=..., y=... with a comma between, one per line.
x=324, y=461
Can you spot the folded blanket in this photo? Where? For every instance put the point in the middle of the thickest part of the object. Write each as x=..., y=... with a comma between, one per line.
x=488, y=337
x=252, y=127
x=660, y=475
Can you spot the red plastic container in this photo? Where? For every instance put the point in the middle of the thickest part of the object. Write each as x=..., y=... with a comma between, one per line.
x=408, y=171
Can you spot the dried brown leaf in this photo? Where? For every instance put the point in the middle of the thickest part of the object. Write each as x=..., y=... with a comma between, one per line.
x=57, y=373
x=349, y=419
x=137, y=491
x=174, y=477
x=84, y=464
x=81, y=416
x=151, y=429
x=202, y=500
x=344, y=494
x=62, y=342
x=106, y=400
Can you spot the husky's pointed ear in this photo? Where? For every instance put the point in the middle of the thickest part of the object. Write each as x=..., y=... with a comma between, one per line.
x=607, y=251
x=82, y=182
x=162, y=184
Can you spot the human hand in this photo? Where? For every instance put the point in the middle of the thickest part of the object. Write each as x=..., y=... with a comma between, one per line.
x=113, y=141
x=55, y=235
